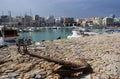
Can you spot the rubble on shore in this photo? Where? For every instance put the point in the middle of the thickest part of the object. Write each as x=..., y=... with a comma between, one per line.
x=102, y=52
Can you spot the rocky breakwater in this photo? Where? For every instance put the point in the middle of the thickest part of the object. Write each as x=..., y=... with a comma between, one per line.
x=102, y=52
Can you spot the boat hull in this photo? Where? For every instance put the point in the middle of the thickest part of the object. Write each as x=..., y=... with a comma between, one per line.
x=11, y=40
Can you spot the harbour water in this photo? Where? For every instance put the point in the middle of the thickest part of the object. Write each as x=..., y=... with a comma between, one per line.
x=47, y=34
x=52, y=34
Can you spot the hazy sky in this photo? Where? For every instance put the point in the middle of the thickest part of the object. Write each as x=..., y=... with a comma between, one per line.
x=58, y=8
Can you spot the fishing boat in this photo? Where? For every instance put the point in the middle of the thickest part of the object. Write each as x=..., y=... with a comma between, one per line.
x=80, y=32
x=8, y=35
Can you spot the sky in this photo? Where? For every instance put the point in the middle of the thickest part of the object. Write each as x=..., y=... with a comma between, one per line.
x=60, y=8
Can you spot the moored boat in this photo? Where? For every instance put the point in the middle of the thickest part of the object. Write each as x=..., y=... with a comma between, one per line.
x=80, y=32
x=75, y=34
x=8, y=35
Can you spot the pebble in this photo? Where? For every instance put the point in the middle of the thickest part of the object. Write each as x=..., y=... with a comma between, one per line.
x=12, y=74
x=26, y=77
x=38, y=76
x=8, y=71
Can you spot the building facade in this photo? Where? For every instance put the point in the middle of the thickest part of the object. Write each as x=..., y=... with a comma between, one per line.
x=108, y=21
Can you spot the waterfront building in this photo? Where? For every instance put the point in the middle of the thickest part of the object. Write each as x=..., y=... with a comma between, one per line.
x=78, y=22
x=90, y=23
x=37, y=17
x=39, y=21
x=68, y=21
x=8, y=21
x=117, y=21
x=108, y=21
x=84, y=23
x=5, y=19
x=42, y=21
x=28, y=20
x=50, y=21
x=97, y=21
x=19, y=20
x=58, y=22
x=62, y=21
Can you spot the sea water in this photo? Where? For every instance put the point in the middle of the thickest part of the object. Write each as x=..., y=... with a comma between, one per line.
x=52, y=34
x=47, y=34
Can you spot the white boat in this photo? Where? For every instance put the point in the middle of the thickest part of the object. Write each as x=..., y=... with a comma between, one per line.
x=90, y=33
x=80, y=32
x=30, y=30
x=37, y=29
x=8, y=35
x=1, y=41
x=54, y=27
x=75, y=34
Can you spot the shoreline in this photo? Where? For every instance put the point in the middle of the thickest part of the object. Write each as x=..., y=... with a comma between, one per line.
x=101, y=52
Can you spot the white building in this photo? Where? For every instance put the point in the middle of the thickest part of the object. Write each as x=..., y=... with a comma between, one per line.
x=58, y=22
x=97, y=21
x=50, y=21
x=108, y=21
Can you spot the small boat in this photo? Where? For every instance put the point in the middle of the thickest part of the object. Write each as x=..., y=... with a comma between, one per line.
x=54, y=27
x=8, y=35
x=37, y=29
x=26, y=30
x=1, y=41
x=118, y=30
x=19, y=30
x=90, y=33
x=30, y=30
x=76, y=33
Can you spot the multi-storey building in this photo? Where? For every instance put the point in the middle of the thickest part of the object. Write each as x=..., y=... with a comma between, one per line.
x=108, y=21
x=78, y=22
x=58, y=22
x=68, y=21
x=84, y=23
x=5, y=20
x=19, y=20
x=50, y=21
x=39, y=21
x=28, y=20
x=117, y=21
x=97, y=21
